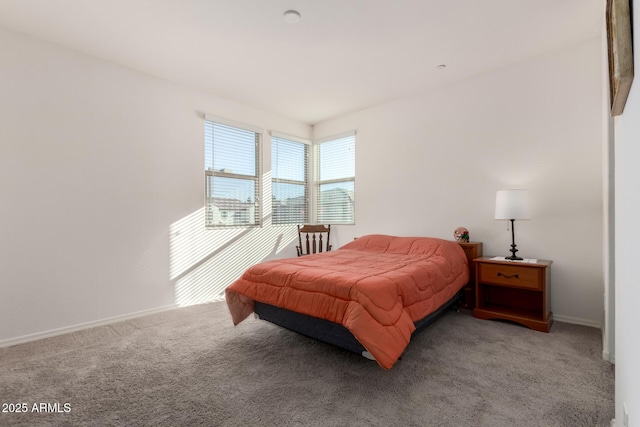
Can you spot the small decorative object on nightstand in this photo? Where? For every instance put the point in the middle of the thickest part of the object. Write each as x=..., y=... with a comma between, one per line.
x=472, y=250
x=461, y=235
x=518, y=291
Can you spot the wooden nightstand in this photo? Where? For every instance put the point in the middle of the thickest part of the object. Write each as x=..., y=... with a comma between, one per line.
x=515, y=291
x=473, y=250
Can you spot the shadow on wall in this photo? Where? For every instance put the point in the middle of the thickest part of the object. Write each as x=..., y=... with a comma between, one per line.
x=203, y=262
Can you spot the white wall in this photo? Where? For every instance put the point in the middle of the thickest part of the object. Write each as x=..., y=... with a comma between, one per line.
x=432, y=162
x=627, y=236
x=101, y=186
x=608, y=197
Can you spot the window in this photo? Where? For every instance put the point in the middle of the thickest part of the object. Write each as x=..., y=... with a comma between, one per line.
x=289, y=188
x=232, y=164
x=336, y=171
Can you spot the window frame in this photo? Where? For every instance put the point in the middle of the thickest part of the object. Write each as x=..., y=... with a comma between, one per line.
x=308, y=149
x=318, y=183
x=256, y=179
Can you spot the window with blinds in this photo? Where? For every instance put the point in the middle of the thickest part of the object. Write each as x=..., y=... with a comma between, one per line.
x=336, y=174
x=232, y=164
x=290, y=179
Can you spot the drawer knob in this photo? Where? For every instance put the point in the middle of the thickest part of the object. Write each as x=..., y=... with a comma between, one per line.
x=506, y=276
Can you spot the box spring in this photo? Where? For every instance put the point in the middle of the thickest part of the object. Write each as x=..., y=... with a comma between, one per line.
x=331, y=332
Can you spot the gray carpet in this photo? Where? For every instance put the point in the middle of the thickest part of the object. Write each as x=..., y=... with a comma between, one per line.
x=192, y=367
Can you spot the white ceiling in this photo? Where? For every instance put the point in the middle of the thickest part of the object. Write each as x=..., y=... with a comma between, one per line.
x=343, y=55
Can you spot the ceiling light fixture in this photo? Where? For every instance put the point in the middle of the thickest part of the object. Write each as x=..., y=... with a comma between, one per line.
x=292, y=16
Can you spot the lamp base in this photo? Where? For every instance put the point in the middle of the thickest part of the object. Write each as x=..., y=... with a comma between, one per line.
x=513, y=249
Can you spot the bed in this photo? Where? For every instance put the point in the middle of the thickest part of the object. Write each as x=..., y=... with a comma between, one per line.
x=369, y=296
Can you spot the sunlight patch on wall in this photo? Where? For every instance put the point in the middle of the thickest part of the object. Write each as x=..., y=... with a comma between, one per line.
x=208, y=280
x=190, y=242
x=203, y=262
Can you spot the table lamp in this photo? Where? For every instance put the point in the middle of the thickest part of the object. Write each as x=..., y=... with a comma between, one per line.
x=512, y=205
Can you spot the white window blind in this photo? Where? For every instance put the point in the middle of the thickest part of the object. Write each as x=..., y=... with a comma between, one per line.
x=232, y=187
x=336, y=171
x=289, y=187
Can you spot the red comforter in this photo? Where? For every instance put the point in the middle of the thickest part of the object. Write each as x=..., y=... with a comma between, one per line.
x=376, y=286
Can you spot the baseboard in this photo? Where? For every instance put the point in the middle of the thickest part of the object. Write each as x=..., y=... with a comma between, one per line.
x=574, y=320
x=75, y=328
x=608, y=357
x=577, y=321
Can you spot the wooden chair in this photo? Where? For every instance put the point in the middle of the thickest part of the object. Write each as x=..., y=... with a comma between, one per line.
x=313, y=239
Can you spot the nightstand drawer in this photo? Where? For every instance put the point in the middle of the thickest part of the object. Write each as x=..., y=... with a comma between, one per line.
x=510, y=275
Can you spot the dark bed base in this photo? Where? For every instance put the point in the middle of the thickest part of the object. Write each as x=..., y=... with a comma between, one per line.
x=330, y=332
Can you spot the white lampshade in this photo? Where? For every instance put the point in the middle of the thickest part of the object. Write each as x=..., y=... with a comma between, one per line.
x=512, y=204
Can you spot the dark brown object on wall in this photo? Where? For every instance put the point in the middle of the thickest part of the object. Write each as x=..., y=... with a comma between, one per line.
x=620, y=47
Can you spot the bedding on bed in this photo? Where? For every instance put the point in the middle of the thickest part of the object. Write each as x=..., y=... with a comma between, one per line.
x=376, y=286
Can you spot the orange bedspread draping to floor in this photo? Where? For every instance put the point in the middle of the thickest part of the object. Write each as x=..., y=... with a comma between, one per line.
x=376, y=286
